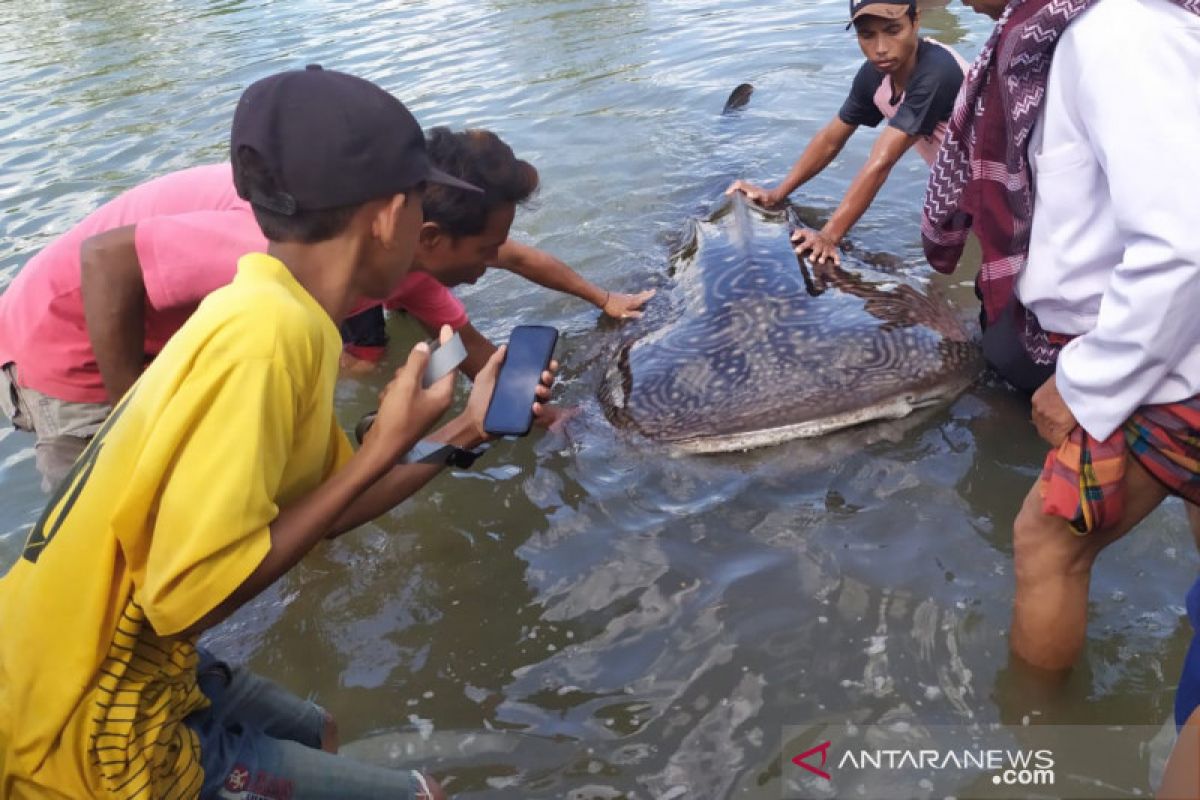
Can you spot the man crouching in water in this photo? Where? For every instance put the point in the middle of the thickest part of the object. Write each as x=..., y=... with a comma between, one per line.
x=467, y=233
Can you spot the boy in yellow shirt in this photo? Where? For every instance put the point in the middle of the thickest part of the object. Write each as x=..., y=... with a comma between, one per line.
x=217, y=472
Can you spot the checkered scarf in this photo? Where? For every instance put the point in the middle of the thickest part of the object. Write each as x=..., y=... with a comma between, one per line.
x=981, y=178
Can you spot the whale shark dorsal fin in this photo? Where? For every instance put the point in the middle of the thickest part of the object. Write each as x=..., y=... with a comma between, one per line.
x=739, y=97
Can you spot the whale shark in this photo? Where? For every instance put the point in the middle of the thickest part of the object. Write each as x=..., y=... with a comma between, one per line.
x=757, y=346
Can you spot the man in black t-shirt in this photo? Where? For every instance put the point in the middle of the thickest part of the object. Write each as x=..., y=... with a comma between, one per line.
x=909, y=81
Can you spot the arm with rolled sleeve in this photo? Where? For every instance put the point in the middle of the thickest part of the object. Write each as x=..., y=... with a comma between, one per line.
x=1142, y=124
x=428, y=301
x=159, y=264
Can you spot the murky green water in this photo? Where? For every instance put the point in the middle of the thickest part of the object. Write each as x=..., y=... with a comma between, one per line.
x=615, y=622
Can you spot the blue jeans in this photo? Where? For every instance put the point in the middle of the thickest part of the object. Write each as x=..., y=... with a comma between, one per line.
x=260, y=742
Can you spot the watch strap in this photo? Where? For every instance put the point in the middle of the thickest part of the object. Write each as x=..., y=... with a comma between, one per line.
x=440, y=453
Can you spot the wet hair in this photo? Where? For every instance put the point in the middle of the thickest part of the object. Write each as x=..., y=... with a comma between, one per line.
x=251, y=177
x=482, y=158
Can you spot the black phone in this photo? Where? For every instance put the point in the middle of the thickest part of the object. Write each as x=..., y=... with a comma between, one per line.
x=530, y=350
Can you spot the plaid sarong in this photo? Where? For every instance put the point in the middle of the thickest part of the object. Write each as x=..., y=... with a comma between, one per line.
x=1082, y=479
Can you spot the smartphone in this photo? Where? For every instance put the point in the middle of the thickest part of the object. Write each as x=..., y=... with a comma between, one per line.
x=530, y=350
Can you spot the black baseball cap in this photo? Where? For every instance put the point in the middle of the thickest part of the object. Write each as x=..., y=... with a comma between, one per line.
x=328, y=140
x=888, y=9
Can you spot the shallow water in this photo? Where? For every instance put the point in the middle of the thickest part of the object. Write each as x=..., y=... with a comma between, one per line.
x=615, y=622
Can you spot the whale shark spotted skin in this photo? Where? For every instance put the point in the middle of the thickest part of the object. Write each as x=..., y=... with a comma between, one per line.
x=756, y=350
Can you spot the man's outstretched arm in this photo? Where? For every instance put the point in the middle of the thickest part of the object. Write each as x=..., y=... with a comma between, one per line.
x=407, y=411
x=464, y=431
x=823, y=245
x=822, y=150
x=546, y=270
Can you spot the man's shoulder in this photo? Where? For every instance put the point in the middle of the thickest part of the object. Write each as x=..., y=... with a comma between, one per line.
x=418, y=286
x=262, y=318
x=1108, y=35
x=937, y=63
x=1096, y=25
x=1117, y=22
x=206, y=180
x=868, y=77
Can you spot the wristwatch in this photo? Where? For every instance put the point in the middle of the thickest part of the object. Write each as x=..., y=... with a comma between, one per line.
x=427, y=452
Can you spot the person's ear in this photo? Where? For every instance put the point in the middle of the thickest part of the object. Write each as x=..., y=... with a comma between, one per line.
x=430, y=236
x=387, y=221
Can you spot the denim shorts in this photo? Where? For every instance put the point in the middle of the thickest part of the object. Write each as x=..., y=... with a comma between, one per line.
x=260, y=742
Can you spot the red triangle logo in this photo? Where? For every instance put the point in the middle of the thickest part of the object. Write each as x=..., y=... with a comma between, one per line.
x=823, y=749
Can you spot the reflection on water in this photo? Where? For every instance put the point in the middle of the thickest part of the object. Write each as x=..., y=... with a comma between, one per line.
x=944, y=23
x=581, y=616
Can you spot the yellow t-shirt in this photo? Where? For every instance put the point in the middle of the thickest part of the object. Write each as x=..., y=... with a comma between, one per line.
x=164, y=515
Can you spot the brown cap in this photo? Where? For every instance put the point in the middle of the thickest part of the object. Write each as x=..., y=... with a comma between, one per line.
x=888, y=9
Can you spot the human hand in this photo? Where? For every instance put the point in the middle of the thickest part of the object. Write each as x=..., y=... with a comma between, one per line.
x=767, y=198
x=626, y=306
x=429, y=789
x=406, y=409
x=330, y=739
x=552, y=417
x=485, y=385
x=819, y=247
x=1051, y=416
x=353, y=365
x=544, y=414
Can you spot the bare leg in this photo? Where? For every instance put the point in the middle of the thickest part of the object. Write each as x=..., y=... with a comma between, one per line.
x=1053, y=568
x=1181, y=781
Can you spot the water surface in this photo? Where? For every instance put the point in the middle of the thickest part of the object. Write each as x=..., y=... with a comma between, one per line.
x=619, y=623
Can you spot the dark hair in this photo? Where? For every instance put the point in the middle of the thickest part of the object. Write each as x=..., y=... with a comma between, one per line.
x=251, y=177
x=482, y=158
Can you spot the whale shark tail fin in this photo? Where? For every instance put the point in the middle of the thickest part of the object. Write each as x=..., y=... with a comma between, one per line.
x=738, y=98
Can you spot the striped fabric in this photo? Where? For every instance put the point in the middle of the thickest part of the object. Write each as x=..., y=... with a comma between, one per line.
x=147, y=687
x=1082, y=479
x=981, y=179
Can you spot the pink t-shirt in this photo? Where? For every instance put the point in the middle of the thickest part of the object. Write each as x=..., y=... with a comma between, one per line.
x=191, y=228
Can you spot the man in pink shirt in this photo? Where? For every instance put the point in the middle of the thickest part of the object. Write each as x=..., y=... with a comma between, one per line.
x=83, y=318
x=464, y=233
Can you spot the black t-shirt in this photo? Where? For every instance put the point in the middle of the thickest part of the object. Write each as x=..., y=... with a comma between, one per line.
x=927, y=100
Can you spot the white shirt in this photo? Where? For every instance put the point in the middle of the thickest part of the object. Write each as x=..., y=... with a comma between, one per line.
x=1114, y=252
